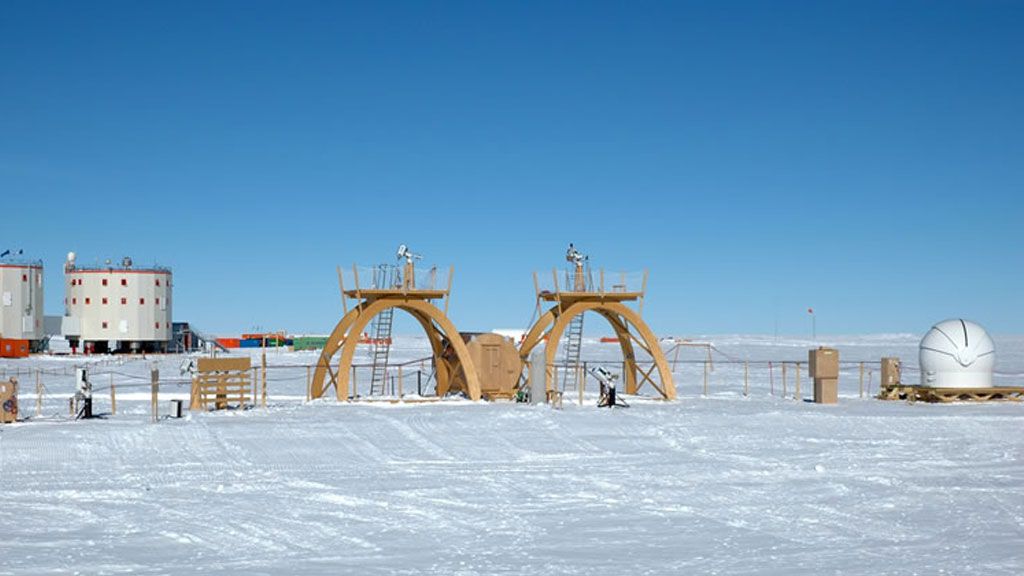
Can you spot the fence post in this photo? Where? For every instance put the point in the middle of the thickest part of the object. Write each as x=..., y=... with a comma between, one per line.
x=419, y=382
x=580, y=381
x=309, y=380
x=705, y=377
x=784, y=390
x=39, y=394
x=400, y=382
x=263, y=382
x=746, y=378
x=797, y=396
x=355, y=387
x=771, y=377
x=155, y=391
x=113, y=396
x=861, y=379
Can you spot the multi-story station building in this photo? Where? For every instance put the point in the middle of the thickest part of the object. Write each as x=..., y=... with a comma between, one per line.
x=117, y=308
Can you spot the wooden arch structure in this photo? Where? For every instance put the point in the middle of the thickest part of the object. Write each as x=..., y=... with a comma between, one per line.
x=447, y=348
x=628, y=324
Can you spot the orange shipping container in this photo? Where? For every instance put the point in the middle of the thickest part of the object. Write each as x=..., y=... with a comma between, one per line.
x=229, y=342
x=10, y=348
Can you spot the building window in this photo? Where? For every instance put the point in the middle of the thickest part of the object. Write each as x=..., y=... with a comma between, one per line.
x=104, y=300
x=124, y=300
x=157, y=325
x=24, y=277
x=142, y=301
x=104, y=281
x=74, y=300
x=157, y=301
x=88, y=300
x=104, y=325
x=124, y=281
x=157, y=281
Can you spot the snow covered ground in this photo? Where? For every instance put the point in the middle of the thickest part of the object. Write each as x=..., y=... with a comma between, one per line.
x=721, y=484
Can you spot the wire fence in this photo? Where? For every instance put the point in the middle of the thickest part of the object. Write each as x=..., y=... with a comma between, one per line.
x=46, y=392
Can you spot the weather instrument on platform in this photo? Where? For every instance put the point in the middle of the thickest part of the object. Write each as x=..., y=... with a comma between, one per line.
x=409, y=255
x=575, y=256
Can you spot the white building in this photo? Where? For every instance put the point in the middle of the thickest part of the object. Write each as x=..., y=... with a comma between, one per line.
x=117, y=308
x=21, y=300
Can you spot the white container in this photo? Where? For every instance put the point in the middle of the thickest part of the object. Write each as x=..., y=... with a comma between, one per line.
x=957, y=354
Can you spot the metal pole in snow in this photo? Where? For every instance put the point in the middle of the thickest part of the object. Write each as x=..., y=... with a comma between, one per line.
x=746, y=376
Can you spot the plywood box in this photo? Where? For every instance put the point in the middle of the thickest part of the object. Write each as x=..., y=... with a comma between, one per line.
x=823, y=363
x=826, y=390
x=890, y=372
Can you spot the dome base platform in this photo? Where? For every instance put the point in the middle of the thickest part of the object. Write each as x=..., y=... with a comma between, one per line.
x=946, y=395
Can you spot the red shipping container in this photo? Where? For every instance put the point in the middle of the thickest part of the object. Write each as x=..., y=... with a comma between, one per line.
x=11, y=348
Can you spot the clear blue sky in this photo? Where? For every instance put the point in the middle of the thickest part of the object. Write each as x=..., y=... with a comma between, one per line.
x=863, y=158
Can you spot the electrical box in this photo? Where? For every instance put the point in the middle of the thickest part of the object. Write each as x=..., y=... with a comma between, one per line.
x=890, y=372
x=823, y=363
x=826, y=390
x=9, y=401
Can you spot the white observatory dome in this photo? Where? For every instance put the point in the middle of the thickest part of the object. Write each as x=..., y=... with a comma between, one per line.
x=957, y=354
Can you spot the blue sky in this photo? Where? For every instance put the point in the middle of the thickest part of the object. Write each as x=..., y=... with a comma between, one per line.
x=863, y=158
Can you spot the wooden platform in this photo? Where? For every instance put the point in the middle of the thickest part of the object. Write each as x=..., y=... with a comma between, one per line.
x=396, y=293
x=568, y=296
x=946, y=395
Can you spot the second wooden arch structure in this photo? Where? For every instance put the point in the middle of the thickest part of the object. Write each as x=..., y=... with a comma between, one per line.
x=622, y=318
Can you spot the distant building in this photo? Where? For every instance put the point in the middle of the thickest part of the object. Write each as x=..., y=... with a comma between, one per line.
x=21, y=299
x=117, y=308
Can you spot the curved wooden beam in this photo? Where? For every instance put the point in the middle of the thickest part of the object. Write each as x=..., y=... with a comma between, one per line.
x=334, y=341
x=626, y=345
x=536, y=334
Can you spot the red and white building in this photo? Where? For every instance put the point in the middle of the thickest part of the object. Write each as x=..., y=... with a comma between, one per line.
x=117, y=308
